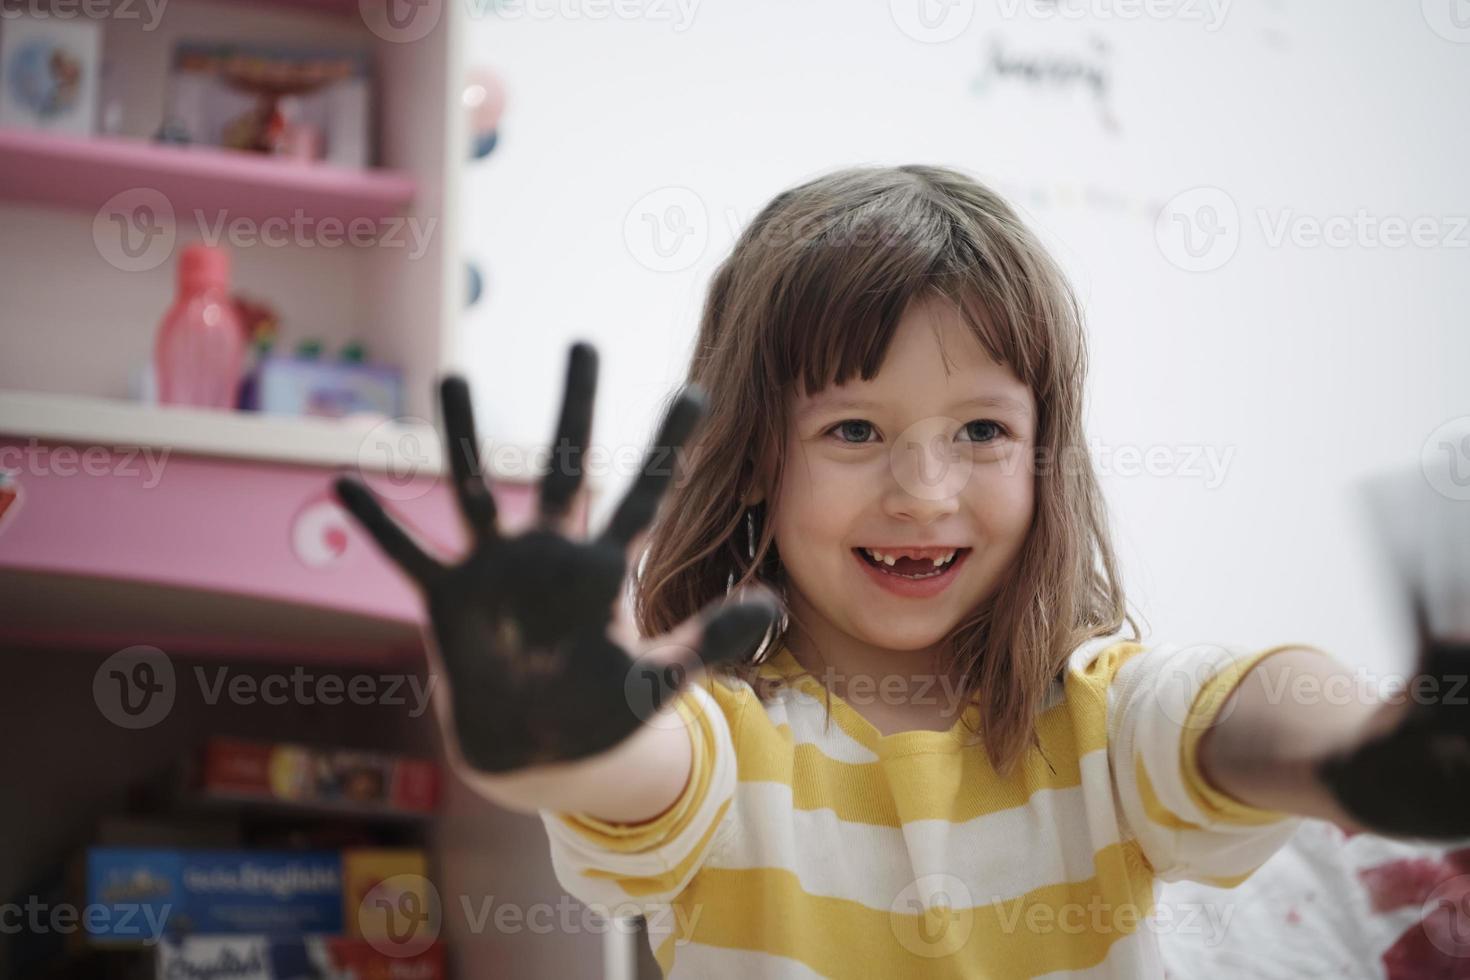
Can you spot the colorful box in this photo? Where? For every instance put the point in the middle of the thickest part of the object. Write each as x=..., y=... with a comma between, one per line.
x=142, y=894
x=287, y=385
x=388, y=898
x=347, y=779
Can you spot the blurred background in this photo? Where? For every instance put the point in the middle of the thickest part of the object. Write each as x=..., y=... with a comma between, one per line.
x=240, y=241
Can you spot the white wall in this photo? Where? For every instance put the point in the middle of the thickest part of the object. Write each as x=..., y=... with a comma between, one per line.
x=1310, y=365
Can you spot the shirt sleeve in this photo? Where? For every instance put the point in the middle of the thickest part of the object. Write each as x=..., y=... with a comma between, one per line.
x=1159, y=700
x=621, y=869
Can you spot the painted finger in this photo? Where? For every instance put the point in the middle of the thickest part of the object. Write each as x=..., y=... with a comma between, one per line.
x=475, y=502
x=638, y=506
x=394, y=541
x=573, y=432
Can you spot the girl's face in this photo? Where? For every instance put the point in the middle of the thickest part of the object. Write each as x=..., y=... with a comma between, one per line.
x=920, y=457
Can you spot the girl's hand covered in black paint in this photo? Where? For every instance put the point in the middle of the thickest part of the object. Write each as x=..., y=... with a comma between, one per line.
x=1410, y=777
x=542, y=661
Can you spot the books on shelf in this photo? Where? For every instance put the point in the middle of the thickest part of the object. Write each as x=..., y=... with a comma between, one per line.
x=274, y=958
x=140, y=895
x=274, y=857
x=349, y=780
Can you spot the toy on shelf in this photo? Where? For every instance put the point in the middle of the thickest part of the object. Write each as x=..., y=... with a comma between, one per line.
x=304, y=104
x=484, y=97
x=305, y=383
x=261, y=325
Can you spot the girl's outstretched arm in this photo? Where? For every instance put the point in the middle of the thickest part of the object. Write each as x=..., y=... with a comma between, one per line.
x=1270, y=739
x=1298, y=735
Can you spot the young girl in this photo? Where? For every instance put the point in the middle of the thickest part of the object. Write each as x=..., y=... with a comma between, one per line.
x=940, y=756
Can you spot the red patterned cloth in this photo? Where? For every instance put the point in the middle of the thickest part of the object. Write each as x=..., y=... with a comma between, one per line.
x=1328, y=904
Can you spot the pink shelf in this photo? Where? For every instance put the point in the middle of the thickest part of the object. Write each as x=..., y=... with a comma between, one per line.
x=224, y=557
x=84, y=172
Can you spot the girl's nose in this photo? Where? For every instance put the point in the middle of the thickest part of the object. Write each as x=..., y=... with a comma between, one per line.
x=928, y=475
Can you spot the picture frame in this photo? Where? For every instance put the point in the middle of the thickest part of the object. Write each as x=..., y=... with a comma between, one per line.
x=50, y=72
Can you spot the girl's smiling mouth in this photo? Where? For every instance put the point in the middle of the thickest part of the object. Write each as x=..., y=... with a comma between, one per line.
x=912, y=572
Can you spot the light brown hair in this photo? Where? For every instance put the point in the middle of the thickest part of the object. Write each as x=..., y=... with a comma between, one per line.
x=810, y=296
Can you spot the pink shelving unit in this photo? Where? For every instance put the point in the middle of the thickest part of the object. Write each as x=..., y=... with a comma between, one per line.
x=84, y=172
x=234, y=550
x=199, y=560
x=400, y=295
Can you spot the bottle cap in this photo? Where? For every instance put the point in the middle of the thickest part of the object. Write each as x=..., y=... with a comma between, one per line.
x=202, y=266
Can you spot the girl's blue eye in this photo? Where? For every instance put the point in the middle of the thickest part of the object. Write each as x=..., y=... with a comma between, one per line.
x=1000, y=429
x=841, y=426
x=865, y=426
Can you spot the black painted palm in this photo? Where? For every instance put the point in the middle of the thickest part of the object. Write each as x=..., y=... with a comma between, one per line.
x=1411, y=778
x=1414, y=779
x=541, y=660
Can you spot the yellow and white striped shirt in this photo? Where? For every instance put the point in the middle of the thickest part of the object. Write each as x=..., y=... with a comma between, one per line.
x=803, y=849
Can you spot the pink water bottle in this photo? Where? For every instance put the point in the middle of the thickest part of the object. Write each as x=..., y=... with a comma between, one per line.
x=200, y=351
